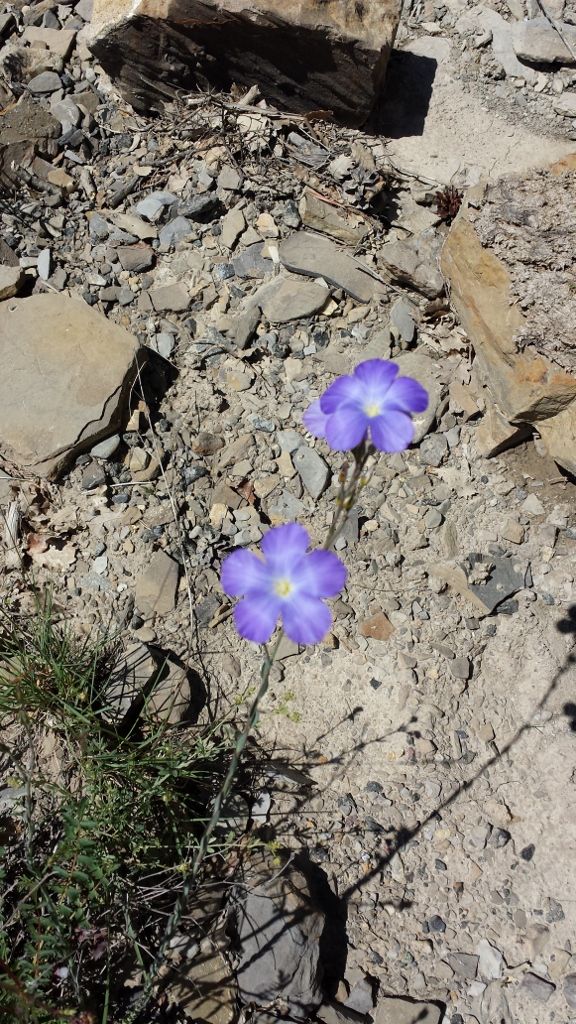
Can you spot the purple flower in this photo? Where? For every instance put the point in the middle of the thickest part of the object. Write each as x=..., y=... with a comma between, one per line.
x=373, y=399
x=288, y=583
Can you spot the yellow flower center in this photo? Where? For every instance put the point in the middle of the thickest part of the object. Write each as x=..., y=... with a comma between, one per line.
x=283, y=587
x=372, y=409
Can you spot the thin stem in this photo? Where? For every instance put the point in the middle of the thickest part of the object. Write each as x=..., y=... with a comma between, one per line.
x=203, y=847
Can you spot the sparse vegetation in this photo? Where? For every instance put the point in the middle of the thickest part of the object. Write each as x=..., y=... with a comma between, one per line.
x=99, y=825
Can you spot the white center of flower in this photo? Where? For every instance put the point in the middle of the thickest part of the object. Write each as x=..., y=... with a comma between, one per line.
x=283, y=587
x=372, y=409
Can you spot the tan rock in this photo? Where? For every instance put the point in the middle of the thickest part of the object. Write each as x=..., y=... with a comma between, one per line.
x=327, y=55
x=11, y=279
x=67, y=373
x=156, y=586
x=377, y=627
x=525, y=385
x=494, y=434
x=339, y=223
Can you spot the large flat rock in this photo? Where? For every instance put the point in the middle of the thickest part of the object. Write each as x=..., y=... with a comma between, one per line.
x=510, y=260
x=67, y=371
x=304, y=54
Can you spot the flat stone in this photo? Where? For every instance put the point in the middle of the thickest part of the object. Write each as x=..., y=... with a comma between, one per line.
x=331, y=220
x=414, y=262
x=537, y=42
x=460, y=668
x=251, y=263
x=233, y=224
x=58, y=40
x=299, y=52
x=152, y=206
x=403, y=321
x=170, y=298
x=569, y=990
x=45, y=82
x=504, y=576
x=92, y=476
x=316, y=256
x=538, y=987
x=278, y=935
x=290, y=298
x=494, y=434
x=156, y=586
x=395, y=1010
x=132, y=224
x=433, y=450
x=11, y=280
x=175, y=231
x=105, y=449
x=67, y=375
x=44, y=264
x=135, y=258
x=377, y=627
x=464, y=964
x=312, y=470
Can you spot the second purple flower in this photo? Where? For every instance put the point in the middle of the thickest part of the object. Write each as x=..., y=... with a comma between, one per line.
x=373, y=400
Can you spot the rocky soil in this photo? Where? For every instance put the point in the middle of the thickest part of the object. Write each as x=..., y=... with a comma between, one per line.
x=424, y=755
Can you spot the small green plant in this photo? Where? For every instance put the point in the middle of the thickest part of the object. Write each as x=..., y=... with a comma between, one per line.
x=96, y=849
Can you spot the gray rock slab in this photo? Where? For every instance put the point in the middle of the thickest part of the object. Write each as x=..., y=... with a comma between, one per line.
x=315, y=256
x=312, y=470
x=538, y=988
x=45, y=82
x=279, y=930
x=175, y=231
x=66, y=379
x=414, y=262
x=537, y=42
x=157, y=585
x=289, y=298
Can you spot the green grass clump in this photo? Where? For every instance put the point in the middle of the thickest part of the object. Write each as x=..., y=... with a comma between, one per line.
x=99, y=824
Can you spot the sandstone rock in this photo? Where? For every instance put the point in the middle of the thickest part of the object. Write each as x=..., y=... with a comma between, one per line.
x=156, y=586
x=11, y=279
x=341, y=224
x=525, y=384
x=397, y=1010
x=377, y=627
x=289, y=298
x=66, y=379
x=304, y=54
x=494, y=434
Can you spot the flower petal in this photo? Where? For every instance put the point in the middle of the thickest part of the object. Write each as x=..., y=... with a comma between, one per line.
x=315, y=420
x=283, y=547
x=243, y=573
x=306, y=619
x=393, y=431
x=376, y=375
x=256, y=617
x=344, y=391
x=407, y=394
x=321, y=574
x=346, y=427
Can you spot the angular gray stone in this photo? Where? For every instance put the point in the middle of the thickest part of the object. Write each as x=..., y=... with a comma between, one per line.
x=157, y=585
x=538, y=987
x=433, y=450
x=312, y=470
x=67, y=375
x=414, y=262
x=569, y=990
x=45, y=82
x=175, y=231
x=402, y=321
x=303, y=54
x=279, y=929
x=537, y=42
x=289, y=298
x=464, y=964
x=316, y=256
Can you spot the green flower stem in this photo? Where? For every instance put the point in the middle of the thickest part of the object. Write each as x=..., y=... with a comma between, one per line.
x=204, y=844
x=348, y=493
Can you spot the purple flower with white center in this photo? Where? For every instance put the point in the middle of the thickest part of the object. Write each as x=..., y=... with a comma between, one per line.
x=374, y=400
x=289, y=583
